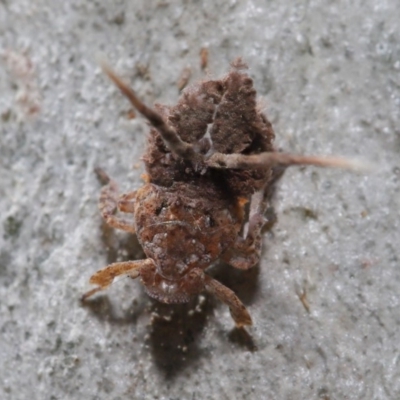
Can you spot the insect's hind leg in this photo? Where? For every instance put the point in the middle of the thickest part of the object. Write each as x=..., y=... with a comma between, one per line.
x=110, y=202
x=238, y=311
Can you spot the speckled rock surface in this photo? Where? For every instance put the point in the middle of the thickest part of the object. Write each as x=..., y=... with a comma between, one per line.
x=329, y=76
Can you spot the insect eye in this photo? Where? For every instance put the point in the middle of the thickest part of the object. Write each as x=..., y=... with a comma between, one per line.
x=211, y=221
x=219, y=87
x=160, y=208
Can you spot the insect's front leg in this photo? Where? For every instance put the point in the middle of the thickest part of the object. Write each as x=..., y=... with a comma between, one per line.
x=110, y=202
x=105, y=276
x=246, y=251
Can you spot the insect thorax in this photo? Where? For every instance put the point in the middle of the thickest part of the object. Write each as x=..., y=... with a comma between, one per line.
x=182, y=228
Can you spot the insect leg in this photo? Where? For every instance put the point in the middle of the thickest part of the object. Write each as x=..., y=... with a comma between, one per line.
x=105, y=276
x=126, y=202
x=167, y=132
x=110, y=202
x=238, y=311
x=246, y=252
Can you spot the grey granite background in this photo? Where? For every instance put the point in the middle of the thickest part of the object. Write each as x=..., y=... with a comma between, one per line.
x=329, y=76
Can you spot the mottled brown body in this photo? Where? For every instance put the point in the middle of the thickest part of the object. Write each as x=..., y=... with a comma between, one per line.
x=182, y=230
x=207, y=157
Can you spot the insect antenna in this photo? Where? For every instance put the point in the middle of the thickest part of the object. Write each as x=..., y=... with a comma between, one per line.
x=270, y=159
x=168, y=133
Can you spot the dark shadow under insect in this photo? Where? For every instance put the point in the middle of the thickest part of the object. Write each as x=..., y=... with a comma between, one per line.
x=211, y=166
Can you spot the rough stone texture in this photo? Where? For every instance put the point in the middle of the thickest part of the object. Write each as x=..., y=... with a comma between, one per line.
x=330, y=76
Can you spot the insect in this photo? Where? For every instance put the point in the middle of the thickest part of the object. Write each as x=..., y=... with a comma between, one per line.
x=210, y=164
